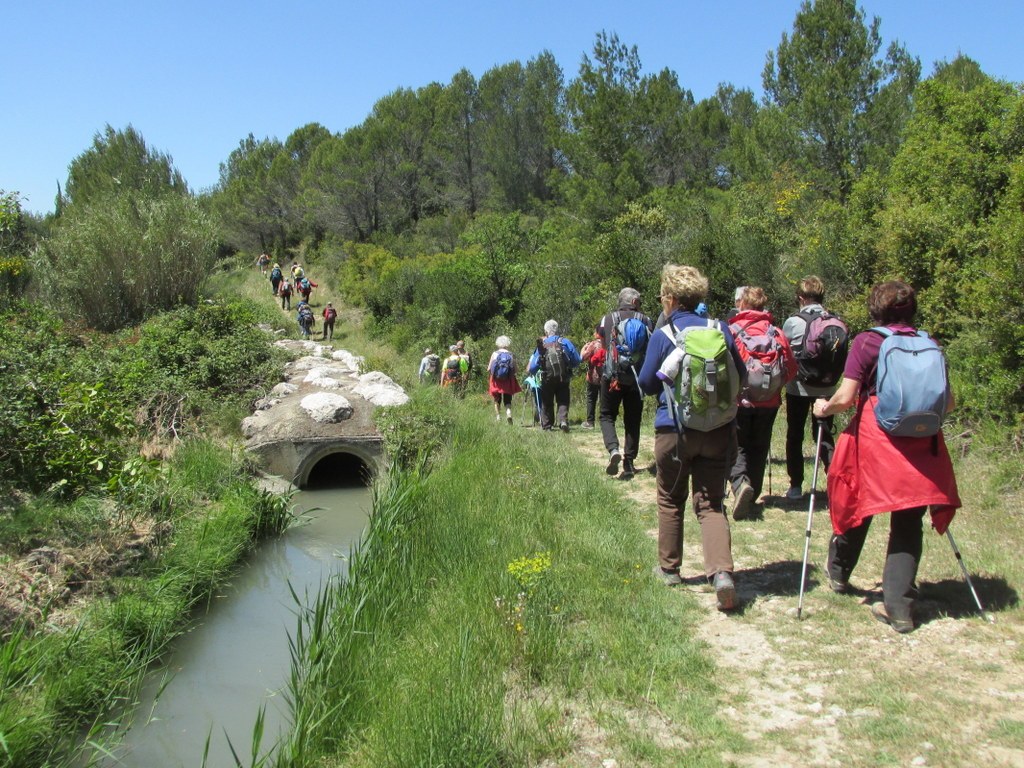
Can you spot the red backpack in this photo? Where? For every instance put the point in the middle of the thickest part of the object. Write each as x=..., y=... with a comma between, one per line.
x=763, y=349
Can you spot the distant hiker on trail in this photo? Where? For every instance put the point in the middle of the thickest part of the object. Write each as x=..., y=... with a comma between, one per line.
x=770, y=365
x=297, y=271
x=503, y=384
x=593, y=355
x=284, y=290
x=467, y=360
x=818, y=340
x=555, y=358
x=451, y=373
x=261, y=262
x=695, y=436
x=276, y=276
x=736, y=298
x=305, y=287
x=304, y=315
x=330, y=314
x=624, y=333
x=430, y=367
x=879, y=465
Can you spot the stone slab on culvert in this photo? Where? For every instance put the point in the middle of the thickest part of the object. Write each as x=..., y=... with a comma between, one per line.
x=326, y=407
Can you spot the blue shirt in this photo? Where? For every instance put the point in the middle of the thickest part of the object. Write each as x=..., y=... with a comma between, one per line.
x=571, y=354
x=661, y=346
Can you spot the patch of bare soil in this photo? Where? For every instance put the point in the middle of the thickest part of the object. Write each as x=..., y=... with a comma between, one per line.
x=837, y=687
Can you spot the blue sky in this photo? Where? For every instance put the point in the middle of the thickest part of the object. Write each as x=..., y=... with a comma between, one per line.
x=196, y=77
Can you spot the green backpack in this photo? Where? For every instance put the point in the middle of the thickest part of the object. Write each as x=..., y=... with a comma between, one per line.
x=706, y=379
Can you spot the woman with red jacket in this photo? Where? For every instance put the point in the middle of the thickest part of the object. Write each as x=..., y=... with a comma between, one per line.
x=770, y=366
x=873, y=472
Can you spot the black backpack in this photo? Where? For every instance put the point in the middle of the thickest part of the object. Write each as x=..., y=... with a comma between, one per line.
x=821, y=355
x=556, y=363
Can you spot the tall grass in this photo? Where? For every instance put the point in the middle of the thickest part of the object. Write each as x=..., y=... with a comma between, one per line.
x=490, y=605
x=55, y=680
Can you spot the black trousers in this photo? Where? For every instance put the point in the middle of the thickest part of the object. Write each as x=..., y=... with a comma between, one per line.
x=593, y=395
x=632, y=402
x=797, y=409
x=754, y=435
x=554, y=403
x=899, y=589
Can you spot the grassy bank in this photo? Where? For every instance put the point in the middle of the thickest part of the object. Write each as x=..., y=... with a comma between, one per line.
x=502, y=612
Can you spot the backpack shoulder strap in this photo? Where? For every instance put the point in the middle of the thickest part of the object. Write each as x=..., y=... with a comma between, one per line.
x=883, y=332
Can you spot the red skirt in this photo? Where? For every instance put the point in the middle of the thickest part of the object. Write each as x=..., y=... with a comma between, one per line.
x=507, y=386
x=873, y=472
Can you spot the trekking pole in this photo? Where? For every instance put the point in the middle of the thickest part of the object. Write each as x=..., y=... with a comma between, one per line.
x=967, y=576
x=770, y=471
x=810, y=517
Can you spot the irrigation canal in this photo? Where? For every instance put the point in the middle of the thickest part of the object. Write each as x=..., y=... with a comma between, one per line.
x=235, y=658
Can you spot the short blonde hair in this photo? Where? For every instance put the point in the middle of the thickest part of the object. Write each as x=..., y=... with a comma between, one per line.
x=811, y=287
x=503, y=342
x=686, y=284
x=753, y=298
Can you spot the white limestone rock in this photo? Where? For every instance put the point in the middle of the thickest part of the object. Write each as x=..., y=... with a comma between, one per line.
x=282, y=389
x=326, y=407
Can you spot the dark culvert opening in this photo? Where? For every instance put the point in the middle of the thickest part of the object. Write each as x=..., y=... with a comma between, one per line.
x=339, y=470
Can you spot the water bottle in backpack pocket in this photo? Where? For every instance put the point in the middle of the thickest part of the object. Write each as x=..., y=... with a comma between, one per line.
x=705, y=375
x=912, y=384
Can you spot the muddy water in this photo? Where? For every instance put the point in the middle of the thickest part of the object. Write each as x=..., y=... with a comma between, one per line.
x=235, y=659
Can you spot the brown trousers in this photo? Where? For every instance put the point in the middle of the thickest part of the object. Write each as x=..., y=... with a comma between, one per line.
x=705, y=458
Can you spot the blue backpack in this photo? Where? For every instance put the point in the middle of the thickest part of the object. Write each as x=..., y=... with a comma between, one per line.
x=504, y=366
x=913, y=391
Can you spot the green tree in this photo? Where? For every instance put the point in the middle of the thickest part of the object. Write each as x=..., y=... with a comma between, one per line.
x=250, y=211
x=507, y=257
x=839, y=105
x=13, y=245
x=117, y=163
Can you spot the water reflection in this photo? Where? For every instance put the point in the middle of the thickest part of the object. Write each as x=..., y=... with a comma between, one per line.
x=235, y=658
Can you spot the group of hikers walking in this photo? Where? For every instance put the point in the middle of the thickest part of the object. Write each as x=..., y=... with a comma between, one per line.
x=296, y=281
x=719, y=386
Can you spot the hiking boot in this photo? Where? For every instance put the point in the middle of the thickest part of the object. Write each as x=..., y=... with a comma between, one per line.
x=839, y=586
x=668, y=578
x=725, y=591
x=613, y=463
x=795, y=493
x=564, y=426
x=508, y=415
x=880, y=612
x=743, y=495
x=628, y=470
x=587, y=425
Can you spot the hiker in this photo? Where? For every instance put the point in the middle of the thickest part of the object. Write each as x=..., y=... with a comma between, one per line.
x=297, y=272
x=305, y=287
x=502, y=373
x=330, y=314
x=874, y=472
x=304, y=315
x=276, y=276
x=555, y=357
x=817, y=376
x=451, y=372
x=593, y=355
x=737, y=296
x=684, y=452
x=430, y=367
x=624, y=333
x=284, y=290
x=261, y=262
x=460, y=347
x=770, y=366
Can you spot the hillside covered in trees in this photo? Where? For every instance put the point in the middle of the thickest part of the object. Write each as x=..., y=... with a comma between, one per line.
x=487, y=205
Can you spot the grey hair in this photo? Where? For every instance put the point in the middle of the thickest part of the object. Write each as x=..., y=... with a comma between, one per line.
x=740, y=289
x=551, y=327
x=503, y=342
x=628, y=297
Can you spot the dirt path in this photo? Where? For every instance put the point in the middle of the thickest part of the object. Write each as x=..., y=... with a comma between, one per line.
x=838, y=688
